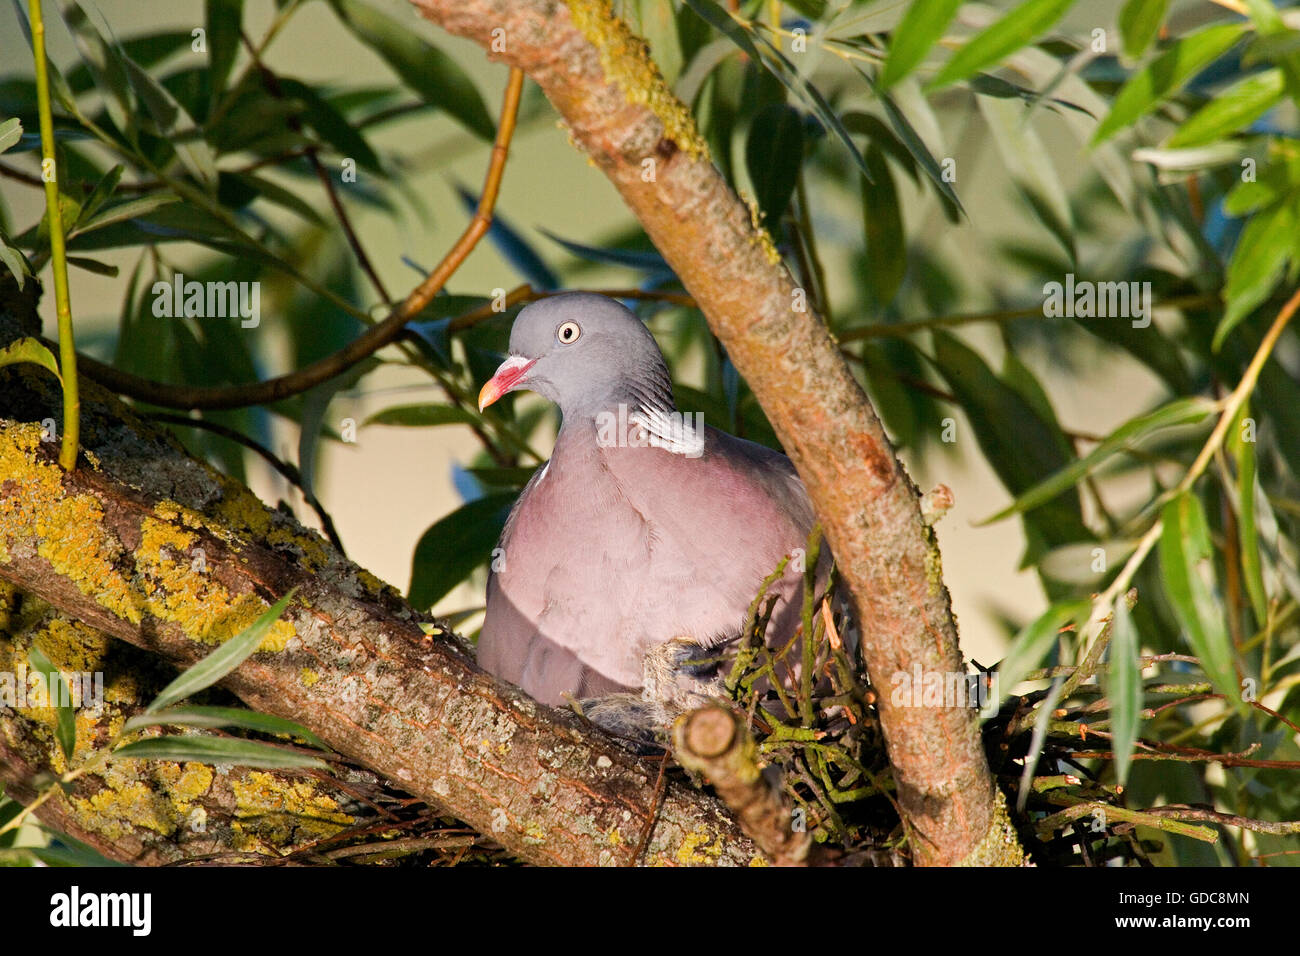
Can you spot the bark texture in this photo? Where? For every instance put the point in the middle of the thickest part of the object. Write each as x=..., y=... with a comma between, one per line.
x=149, y=812
x=601, y=79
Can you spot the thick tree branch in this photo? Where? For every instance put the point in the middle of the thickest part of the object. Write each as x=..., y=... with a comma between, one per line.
x=156, y=549
x=601, y=80
x=148, y=812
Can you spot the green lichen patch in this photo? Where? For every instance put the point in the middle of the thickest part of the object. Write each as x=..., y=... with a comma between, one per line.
x=1000, y=846
x=626, y=61
x=69, y=532
x=699, y=848
x=156, y=795
x=279, y=812
x=179, y=592
x=68, y=529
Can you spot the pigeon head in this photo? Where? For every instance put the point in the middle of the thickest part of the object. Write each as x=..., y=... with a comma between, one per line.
x=585, y=353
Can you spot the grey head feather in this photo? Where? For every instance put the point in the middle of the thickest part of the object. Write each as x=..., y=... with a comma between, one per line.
x=613, y=360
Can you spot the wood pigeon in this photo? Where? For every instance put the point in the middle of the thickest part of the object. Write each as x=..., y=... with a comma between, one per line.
x=646, y=533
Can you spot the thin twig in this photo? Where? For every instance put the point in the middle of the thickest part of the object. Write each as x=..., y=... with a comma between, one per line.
x=655, y=804
x=287, y=470
x=272, y=84
x=365, y=345
x=1182, y=811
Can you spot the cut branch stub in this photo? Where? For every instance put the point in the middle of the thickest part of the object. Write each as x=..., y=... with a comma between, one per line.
x=714, y=742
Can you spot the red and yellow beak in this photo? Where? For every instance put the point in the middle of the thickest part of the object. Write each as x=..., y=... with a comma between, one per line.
x=508, y=377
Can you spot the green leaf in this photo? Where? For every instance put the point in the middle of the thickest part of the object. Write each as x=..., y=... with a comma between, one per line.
x=221, y=661
x=131, y=209
x=1165, y=75
x=775, y=62
x=882, y=221
x=454, y=546
x=32, y=351
x=1124, y=689
x=331, y=125
x=1181, y=411
x=217, y=750
x=1271, y=48
x=773, y=156
x=1221, y=153
x=11, y=131
x=246, y=187
x=105, y=65
x=70, y=852
x=1030, y=166
x=60, y=697
x=1016, y=29
x=1187, y=563
x=69, y=212
x=882, y=137
x=915, y=35
x=1243, y=451
x=58, y=85
x=14, y=262
x=1274, y=182
x=116, y=71
x=102, y=192
x=912, y=141
x=147, y=49
x=420, y=416
x=1035, y=641
x=1149, y=346
x=1263, y=250
x=209, y=717
x=1018, y=442
x=93, y=266
x=173, y=123
x=1139, y=22
x=1234, y=108
x=428, y=71
x=223, y=18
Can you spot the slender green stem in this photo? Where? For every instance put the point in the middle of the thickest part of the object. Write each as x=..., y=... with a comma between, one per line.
x=94, y=764
x=809, y=240
x=1230, y=406
x=58, y=253
x=806, y=675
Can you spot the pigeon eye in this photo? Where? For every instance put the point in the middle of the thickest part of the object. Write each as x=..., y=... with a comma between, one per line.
x=568, y=333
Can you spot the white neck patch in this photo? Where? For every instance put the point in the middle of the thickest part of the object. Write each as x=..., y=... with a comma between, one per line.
x=678, y=432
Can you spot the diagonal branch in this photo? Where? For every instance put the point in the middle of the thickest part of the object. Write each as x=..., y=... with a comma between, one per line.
x=368, y=343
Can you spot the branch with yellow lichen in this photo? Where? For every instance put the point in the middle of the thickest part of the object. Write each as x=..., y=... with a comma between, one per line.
x=148, y=812
x=601, y=79
x=714, y=742
x=158, y=550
